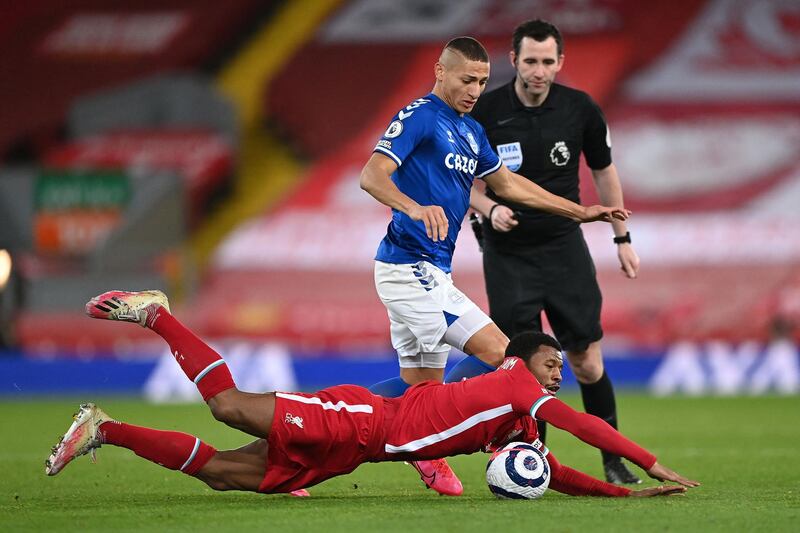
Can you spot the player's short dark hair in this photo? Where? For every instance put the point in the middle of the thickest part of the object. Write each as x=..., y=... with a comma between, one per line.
x=538, y=30
x=468, y=47
x=527, y=343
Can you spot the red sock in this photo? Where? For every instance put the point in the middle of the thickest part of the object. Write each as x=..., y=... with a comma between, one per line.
x=199, y=362
x=170, y=449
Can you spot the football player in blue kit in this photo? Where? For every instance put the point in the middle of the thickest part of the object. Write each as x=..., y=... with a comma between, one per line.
x=423, y=168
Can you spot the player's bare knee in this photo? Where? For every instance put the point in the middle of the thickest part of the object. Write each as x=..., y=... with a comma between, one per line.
x=488, y=345
x=587, y=370
x=494, y=356
x=223, y=410
x=587, y=365
x=495, y=351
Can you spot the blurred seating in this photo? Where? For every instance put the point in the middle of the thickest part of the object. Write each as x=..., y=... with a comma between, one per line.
x=70, y=48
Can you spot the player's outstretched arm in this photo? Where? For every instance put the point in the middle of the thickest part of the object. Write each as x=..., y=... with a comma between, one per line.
x=662, y=473
x=576, y=483
x=376, y=179
x=661, y=490
x=501, y=217
x=567, y=480
x=598, y=433
x=516, y=188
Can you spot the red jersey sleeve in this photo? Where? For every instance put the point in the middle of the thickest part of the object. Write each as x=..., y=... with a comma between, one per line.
x=527, y=394
x=575, y=483
x=594, y=431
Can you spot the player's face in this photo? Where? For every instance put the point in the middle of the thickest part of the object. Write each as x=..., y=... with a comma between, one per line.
x=537, y=65
x=462, y=83
x=546, y=365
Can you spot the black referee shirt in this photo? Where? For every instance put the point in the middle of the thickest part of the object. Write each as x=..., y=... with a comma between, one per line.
x=543, y=144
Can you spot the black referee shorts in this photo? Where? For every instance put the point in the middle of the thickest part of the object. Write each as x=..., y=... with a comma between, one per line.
x=557, y=277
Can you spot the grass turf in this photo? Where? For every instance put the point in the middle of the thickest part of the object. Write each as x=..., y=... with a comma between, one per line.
x=743, y=450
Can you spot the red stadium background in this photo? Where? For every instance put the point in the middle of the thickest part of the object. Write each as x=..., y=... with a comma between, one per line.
x=701, y=96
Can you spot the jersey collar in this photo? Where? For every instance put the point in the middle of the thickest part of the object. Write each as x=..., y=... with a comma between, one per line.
x=442, y=104
x=550, y=102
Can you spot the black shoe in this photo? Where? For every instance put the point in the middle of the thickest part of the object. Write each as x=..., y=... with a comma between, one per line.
x=618, y=473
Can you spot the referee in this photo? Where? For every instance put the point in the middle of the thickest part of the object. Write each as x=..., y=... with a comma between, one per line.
x=534, y=261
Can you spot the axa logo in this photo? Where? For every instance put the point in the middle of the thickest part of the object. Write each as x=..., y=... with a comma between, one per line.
x=296, y=420
x=721, y=368
x=460, y=163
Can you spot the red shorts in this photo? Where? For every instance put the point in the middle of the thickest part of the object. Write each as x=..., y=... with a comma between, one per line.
x=318, y=436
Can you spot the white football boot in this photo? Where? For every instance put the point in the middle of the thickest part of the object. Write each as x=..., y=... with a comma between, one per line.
x=82, y=437
x=127, y=306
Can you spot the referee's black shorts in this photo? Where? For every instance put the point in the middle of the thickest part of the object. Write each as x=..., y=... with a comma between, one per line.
x=557, y=277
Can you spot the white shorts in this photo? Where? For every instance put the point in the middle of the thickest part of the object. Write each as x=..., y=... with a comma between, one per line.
x=427, y=313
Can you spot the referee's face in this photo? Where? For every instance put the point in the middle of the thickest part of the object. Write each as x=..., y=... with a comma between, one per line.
x=537, y=65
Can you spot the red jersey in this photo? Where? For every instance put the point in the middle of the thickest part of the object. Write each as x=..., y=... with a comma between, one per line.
x=318, y=436
x=439, y=420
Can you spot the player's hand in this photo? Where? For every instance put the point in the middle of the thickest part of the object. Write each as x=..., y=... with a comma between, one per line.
x=628, y=260
x=662, y=473
x=662, y=490
x=503, y=218
x=435, y=221
x=605, y=214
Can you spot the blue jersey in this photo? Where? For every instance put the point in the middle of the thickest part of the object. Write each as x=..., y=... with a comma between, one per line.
x=438, y=153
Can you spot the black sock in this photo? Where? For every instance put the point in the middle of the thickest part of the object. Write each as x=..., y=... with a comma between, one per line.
x=542, y=426
x=598, y=400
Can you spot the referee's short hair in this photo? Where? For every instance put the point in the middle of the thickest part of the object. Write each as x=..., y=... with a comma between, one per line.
x=538, y=30
x=527, y=343
x=468, y=47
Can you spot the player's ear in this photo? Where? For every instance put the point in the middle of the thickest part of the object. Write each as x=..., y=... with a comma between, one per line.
x=512, y=56
x=438, y=71
x=560, y=62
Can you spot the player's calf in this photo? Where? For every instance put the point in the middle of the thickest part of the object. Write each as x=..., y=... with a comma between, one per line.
x=241, y=469
x=92, y=428
x=150, y=309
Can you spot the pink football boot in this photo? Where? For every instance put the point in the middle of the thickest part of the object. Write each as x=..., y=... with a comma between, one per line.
x=438, y=475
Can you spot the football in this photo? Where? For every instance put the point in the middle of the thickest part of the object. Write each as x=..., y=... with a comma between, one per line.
x=518, y=471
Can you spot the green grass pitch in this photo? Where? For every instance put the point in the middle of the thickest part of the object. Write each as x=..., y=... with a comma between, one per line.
x=745, y=451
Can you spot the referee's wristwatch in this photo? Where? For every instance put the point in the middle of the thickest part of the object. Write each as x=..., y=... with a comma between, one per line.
x=623, y=238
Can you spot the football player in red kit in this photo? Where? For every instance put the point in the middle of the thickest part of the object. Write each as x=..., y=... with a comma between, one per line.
x=304, y=439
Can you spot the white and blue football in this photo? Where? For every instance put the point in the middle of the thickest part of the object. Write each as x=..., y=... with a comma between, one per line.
x=518, y=471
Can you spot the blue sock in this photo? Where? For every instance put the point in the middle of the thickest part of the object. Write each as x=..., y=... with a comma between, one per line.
x=469, y=367
x=391, y=388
